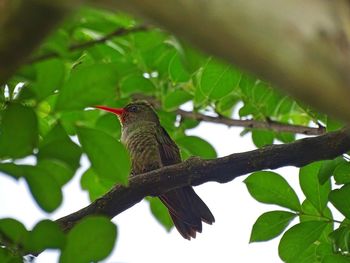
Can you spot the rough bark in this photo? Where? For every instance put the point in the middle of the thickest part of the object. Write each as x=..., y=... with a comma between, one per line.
x=196, y=171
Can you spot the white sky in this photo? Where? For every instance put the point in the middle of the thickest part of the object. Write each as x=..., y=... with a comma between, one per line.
x=142, y=239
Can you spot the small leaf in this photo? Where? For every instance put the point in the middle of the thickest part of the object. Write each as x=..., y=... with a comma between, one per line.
x=341, y=238
x=161, y=213
x=57, y=145
x=218, y=79
x=270, y=224
x=108, y=157
x=18, y=131
x=342, y=173
x=271, y=188
x=177, y=71
x=262, y=138
x=88, y=86
x=327, y=169
x=60, y=171
x=16, y=171
x=94, y=184
x=50, y=75
x=333, y=125
x=13, y=230
x=197, y=146
x=44, y=187
x=136, y=83
x=92, y=239
x=45, y=234
x=70, y=119
x=175, y=98
x=336, y=259
x=340, y=199
x=310, y=213
x=42, y=180
x=313, y=190
x=299, y=238
x=8, y=256
x=110, y=124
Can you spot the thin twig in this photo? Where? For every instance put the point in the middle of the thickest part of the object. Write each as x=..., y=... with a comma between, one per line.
x=253, y=124
x=117, y=33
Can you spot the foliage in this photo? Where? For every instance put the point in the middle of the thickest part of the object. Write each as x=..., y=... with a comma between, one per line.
x=42, y=114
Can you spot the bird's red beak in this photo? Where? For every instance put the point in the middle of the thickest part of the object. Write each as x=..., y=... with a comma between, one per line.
x=117, y=111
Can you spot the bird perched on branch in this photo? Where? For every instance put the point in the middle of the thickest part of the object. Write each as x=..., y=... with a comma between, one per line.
x=150, y=148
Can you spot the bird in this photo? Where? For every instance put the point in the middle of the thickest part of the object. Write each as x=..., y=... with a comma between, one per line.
x=150, y=147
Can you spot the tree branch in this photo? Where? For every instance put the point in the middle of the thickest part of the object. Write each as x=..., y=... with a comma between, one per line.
x=254, y=124
x=196, y=171
x=117, y=33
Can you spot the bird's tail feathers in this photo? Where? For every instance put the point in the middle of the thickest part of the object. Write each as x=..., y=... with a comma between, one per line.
x=187, y=211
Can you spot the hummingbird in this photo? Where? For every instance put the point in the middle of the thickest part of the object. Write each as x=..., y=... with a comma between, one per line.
x=150, y=147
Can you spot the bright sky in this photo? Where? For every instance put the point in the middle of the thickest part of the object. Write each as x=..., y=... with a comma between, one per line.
x=142, y=239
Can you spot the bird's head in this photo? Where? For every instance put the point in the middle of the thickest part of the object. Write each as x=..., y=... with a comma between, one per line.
x=133, y=112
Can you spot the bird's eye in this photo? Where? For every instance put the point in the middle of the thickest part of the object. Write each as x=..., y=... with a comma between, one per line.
x=133, y=109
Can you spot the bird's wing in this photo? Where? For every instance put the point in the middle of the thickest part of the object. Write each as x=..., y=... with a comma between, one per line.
x=169, y=152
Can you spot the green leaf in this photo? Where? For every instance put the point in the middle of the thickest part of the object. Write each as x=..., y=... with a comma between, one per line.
x=45, y=234
x=333, y=125
x=110, y=124
x=313, y=190
x=161, y=213
x=18, y=131
x=44, y=181
x=44, y=187
x=88, y=86
x=175, y=98
x=218, y=79
x=7, y=256
x=310, y=213
x=341, y=239
x=136, y=83
x=108, y=157
x=50, y=74
x=340, y=199
x=16, y=171
x=285, y=137
x=342, y=173
x=95, y=185
x=327, y=169
x=13, y=230
x=177, y=71
x=57, y=145
x=270, y=224
x=197, y=146
x=92, y=239
x=60, y=171
x=271, y=188
x=299, y=238
x=70, y=119
x=226, y=104
x=262, y=138
x=336, y=259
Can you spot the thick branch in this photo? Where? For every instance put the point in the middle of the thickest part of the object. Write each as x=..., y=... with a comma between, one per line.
x=196, y=171
x=117, y=33
x=300, y=46
x=23, y=25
